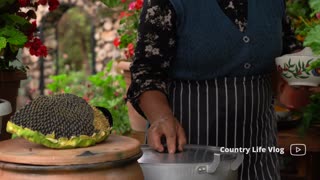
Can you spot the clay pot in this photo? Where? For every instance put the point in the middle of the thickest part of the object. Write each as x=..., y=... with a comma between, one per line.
x=9, y=86
x=293, y=97
x=137, y=122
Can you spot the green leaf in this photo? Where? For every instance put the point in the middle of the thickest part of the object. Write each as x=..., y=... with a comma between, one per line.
x=13, y=19
x=315, y=6
x=6, y=2
x=111, y=3
x=303, y=77
x=289, y=62
x=314, y=64
x=287, y=76
x=109, y=66
x=313, y=39
x=13, y=36
x=3, y=42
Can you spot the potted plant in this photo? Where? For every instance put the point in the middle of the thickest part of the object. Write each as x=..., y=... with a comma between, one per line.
x=18, y=30
x=305, y=17
x=125, y=42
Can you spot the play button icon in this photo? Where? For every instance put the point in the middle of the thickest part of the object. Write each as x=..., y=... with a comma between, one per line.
x=298, y=149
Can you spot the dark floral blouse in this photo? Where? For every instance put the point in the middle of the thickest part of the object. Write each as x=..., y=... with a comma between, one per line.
x=157, y=37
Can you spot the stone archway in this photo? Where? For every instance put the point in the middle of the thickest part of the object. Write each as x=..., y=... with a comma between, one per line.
x=105, y=29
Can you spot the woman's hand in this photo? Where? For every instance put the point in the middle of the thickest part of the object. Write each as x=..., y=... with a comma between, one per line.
x=171, y=129
x=163, y=123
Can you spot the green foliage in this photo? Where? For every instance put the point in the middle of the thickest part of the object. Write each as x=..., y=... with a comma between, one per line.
x=111, y=3
x=13, y=36
x=306, y=23
x=313, y=39
x=102, y=89
x=313, y=65
x=315, y=5
x=74, y=52
x=4, y=3
x=311, y=113
x=18, y=30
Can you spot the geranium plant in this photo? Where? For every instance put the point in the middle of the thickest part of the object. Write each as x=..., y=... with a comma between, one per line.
x=18, y=29
x=129, y=21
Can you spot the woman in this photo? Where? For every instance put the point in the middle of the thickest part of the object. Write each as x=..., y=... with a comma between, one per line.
x=201, y=75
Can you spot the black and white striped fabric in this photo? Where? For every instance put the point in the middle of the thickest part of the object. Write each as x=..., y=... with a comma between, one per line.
x=230, y=112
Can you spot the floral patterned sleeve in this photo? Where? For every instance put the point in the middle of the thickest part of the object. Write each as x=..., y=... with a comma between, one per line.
x=154, y=50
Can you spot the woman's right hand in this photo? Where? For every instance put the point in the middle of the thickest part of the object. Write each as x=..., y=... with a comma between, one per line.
x=169, y=128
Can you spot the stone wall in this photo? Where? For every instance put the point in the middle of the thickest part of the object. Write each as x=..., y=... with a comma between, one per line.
x=105, y=32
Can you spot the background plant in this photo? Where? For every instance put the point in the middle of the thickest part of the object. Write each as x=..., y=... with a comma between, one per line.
x=18, y=29
x=102, y=89
x=129, y=21
x=305, y=16
x=74, y=53
x=311, y=114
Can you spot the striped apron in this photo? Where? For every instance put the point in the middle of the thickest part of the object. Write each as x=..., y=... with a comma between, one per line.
x=230, y=112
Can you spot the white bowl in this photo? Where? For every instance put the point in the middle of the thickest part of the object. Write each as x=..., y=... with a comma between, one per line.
x=293, y=68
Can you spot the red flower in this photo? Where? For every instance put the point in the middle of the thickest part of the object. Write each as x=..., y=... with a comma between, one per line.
x=86, y=98
x=53, y=4
x=132, y=5
x=116, y=42
x=130, y=52
x=136, y=5
x=130, y=48
x=36, y=47
x=24, y=3
x=318, y=15
x=125, y=14
x=139, y=4
x=43, y=2
x=123, y=1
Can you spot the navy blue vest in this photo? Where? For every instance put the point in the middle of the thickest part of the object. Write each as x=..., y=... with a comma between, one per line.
x=210, y=45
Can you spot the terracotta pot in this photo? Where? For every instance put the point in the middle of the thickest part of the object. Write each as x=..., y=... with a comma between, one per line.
x=115, y=158
x=137, y=122
x=9, y=86
x=294, y=98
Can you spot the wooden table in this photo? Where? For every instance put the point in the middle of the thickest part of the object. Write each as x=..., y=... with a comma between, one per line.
x=307, y=166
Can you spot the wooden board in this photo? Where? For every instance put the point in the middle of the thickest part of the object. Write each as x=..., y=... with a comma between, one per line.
x=24, y=152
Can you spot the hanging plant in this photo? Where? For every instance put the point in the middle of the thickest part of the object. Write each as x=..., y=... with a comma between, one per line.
x=18, y=29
